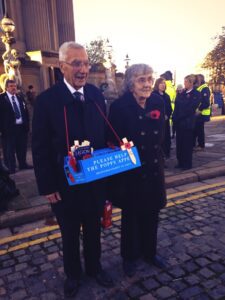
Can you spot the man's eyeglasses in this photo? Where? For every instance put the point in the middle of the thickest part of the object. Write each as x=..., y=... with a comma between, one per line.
x=78, y=64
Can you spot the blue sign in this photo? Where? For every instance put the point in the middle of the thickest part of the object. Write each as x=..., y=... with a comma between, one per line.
x=103, y=163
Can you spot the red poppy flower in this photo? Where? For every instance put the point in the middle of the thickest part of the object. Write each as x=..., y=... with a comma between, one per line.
x=154, y=114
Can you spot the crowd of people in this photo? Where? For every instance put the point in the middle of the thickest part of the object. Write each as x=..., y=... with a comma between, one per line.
x=72, y=110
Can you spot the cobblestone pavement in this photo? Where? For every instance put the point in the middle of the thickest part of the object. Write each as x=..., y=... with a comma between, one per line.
x=191, y=238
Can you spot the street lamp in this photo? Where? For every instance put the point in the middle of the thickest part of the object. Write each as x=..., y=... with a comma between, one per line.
x=7, y=25
x=10, y=56
x=127, y=59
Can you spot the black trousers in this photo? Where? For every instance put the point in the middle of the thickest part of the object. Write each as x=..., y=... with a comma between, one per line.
x=75, y=211
x=15, y=144
x=199, y=133
x=167, y=139
x=138, y=233
x=184, y=147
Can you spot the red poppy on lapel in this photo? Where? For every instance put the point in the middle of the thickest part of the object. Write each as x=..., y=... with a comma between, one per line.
x=154, y=114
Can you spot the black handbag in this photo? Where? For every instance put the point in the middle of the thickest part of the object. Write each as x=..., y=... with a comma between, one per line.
x=8, y=190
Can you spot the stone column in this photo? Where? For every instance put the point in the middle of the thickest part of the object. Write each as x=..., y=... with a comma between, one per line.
x=36, y=24
x=65, y=20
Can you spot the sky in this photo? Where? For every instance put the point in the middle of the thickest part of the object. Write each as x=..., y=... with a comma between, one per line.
x=171, y=35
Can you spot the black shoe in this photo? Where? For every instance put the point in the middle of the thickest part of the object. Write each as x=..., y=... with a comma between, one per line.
x=104, y=279
x=26, y=167
x=178, y=167
x=71, y=287
x=186, y=168
x=157, y=261
x=129, y=268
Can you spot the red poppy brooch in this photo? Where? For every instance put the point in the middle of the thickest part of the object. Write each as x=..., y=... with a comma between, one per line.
x=154, y=114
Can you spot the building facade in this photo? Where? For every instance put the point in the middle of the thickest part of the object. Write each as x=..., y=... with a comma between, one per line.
x=41, y=27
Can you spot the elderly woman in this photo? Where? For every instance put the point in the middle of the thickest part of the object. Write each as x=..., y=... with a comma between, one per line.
x=159, y=89
x=139, y=116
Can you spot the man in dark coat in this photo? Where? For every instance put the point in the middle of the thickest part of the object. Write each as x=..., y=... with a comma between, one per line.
x=184, y=118
x=62, y=114
x=14, y=126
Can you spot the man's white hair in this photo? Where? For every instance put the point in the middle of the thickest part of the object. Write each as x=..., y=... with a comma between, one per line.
x=65, y=47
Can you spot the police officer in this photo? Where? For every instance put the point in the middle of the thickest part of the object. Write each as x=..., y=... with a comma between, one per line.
x=203, y=113
x=184, y=118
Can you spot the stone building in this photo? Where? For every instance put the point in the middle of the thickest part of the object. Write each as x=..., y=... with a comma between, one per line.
x=41, y=26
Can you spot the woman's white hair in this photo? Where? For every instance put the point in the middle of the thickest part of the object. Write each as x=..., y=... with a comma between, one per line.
x=65, y=47
x=132, y=72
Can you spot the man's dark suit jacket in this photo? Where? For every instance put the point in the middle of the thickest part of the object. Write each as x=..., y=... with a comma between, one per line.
x=49, y=133
x=7, y=115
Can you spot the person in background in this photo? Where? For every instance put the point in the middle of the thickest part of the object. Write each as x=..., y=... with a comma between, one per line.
x=184, y=118
x=218, y=97
x=179, y=89
x=71, y=104
x=31, y=95
x=203, y=113
x=14, y=127
x=171, y=91
x=139, y=115
x=159, y=89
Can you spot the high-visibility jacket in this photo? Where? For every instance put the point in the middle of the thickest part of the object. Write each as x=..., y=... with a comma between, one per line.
x=206, y=94
x=171, y=91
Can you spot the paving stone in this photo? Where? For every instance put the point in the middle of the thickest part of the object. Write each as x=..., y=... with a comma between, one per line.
x=5, y=257
x=164, y=278
x=19, y=253
x=52, y=249
x=19, y=295
x=147, y=297
x=21, y=267
x=24, y=258
x=16, y=285
x=38, y=261
x=52, y=256
x=14, y=276
x=2, y=291
x=34, y=248
x=178, y=285
x=5, y=232
x=206, y=273
x=217, y=267
x=218, y=293
x=120, y=295
x=4, y=272
x=135, y=291
x=165, y=292
x=46, y=266
x=37, y=288
x=190, y=292
x=202, y=261
x=210, y=284
x=177, y=272
x=48, y=296
x=8, y=263
x=192, y=279
x=150, y=284
x=191, y=267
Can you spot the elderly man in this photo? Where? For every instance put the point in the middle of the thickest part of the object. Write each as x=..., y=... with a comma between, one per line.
x=79, y=205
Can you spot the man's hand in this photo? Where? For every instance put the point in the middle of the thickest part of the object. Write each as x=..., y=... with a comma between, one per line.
x=53, y=198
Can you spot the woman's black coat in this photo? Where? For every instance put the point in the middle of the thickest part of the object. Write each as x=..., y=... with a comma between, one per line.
x=143, y=187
